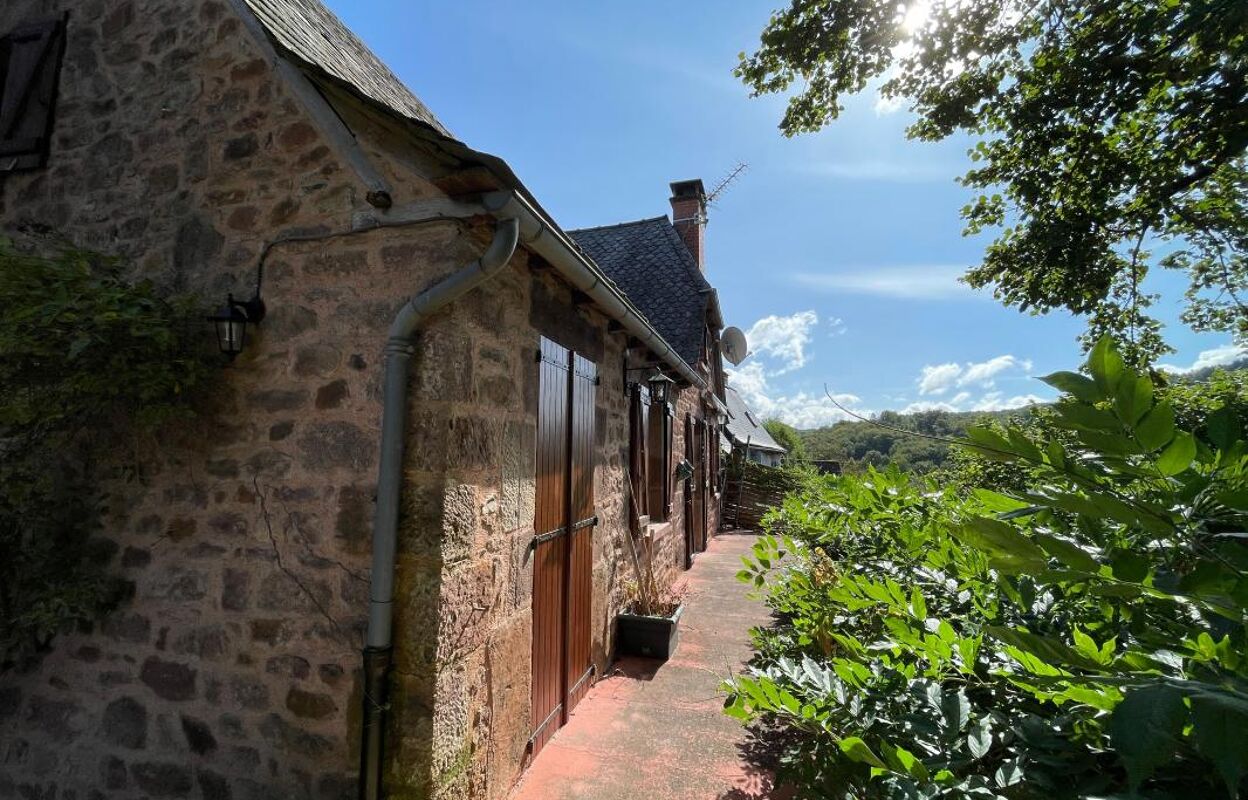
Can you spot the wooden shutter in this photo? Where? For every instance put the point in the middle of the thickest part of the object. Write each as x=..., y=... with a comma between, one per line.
x=30, y=64
x=581, y=538
x=564, y=523
x=550, y=556
x=669, y=423
x=657, y=468
x=639, y=415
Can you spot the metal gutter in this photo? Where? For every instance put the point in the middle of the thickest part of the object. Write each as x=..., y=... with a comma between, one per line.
x=543, y=238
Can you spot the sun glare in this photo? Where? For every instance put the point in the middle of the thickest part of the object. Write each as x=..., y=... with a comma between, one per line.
x=915, y=16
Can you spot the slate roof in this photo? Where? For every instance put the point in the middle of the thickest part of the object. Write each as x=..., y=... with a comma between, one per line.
x=311, y=33
x=744, y=425
x=648, y=260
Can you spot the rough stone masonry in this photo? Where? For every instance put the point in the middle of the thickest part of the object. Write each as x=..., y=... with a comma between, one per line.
x=234, y=671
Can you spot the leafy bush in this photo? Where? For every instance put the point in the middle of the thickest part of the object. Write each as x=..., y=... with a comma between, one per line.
x=87, y=361
x=1083, y=636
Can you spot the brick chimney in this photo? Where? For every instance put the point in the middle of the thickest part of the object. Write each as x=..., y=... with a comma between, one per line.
x=689, y=216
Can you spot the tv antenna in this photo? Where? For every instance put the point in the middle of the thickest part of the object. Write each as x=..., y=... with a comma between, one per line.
x=723, y=185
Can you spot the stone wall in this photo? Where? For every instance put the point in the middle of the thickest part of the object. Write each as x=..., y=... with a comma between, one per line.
x=462, y=688
x=234, y=671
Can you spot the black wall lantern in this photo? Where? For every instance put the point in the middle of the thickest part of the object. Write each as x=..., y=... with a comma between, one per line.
x=231, y=321
x=660, y=387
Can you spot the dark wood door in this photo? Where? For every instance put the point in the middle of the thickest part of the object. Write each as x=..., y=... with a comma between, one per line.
x=579, y=663
x=563, y=546
x=690, y=541
x=697, y=484
x=708, y=481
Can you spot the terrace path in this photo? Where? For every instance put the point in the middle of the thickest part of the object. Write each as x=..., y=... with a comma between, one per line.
x=658, y=732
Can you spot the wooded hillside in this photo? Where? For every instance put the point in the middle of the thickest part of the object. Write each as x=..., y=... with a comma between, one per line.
x=858, y=445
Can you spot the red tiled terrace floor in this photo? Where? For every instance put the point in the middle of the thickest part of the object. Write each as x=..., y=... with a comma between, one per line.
x=647, y=735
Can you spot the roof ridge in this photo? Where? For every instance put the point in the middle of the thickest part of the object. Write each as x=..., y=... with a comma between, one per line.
x=618, y=224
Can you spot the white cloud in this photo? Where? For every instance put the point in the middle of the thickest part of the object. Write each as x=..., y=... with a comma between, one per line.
x=801, y=410
x=783, y=338
x=994, y=401
x=984, y=371
x=940, y=378
x=888, y=105
x=1217, y=357
x=836, y=326
x=991, y=401
x=914, y=282
x=928, y=405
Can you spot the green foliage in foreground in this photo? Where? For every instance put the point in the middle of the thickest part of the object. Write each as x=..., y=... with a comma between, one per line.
x=1083, y=637
x=87, y=360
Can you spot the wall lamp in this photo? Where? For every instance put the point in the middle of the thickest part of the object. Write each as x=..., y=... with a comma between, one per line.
x=232, y=319
x=660, y=387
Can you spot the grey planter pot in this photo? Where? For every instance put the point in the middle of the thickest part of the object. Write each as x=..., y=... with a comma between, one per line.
x=648, y=637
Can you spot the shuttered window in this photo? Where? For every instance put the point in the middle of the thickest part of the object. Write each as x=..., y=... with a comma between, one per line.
x=638, y=462
x=30, y=65
x=659, y=470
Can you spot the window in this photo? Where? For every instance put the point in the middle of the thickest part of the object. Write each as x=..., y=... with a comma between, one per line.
x=30, y=65
x=638, y=463
x=659, y=470
x=650, y=457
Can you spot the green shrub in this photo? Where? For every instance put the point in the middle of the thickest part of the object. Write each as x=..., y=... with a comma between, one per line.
x=1080, y=636
x=88, y=362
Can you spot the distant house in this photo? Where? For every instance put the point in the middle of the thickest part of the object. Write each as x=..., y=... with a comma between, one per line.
x=746, y=434
x=394, y=569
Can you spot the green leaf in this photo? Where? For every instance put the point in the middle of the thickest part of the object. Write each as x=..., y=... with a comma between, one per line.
x=1082, y=415
x=1008, y=774
x=1129, y=566
x=956, y=710
x=1050, y=651
x=979, y=738
x=1178, y=455
x=1218, y=731
x=1223, y=428
x=1106, y=365
x=1133, y=398
x=1073, y=383
x=857, y=750
x=990, y=444
x=1157, y=427
x=1145, y=729
x=997, y=538
x=1067, y=552
x=917, y=605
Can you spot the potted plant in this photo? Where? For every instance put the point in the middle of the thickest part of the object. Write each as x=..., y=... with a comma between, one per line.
x=649, y=625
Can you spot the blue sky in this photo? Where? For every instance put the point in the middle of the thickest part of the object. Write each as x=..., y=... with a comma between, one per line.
x=838, y=251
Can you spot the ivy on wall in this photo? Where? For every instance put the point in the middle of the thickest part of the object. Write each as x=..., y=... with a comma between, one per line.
x=89, y=362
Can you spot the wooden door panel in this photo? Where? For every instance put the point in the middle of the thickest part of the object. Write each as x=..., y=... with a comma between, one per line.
x=550, y=545
x=564, y=524
x=581, y=539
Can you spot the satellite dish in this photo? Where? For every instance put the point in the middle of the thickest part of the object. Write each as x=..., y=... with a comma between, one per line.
x=733, y=345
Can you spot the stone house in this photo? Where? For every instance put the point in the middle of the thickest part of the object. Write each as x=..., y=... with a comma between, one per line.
x=744, y=433
x=393, y=568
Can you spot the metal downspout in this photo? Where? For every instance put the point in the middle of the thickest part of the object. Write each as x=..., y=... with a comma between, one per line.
x=398, y=355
